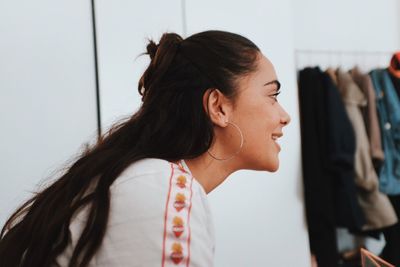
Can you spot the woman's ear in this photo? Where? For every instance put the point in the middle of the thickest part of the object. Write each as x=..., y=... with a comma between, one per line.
x=217, y=106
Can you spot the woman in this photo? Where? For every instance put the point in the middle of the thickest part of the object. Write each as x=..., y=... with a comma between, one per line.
x=209, y=109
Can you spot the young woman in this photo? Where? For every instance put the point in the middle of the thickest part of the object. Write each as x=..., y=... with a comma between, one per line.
x=138, y=197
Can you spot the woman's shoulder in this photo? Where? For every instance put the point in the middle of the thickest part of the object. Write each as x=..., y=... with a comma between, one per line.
x=151, y=180
x=153, y=187
x=147, y=168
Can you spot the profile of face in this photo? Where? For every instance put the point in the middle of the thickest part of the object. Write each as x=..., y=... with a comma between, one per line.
x=257, y=112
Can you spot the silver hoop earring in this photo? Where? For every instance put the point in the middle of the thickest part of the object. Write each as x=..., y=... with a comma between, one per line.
x=240, y=147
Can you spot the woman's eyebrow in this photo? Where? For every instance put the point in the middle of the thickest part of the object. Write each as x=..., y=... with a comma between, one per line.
x=274, y=82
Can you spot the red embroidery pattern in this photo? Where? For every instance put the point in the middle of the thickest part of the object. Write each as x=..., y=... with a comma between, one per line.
x=178, y=226
x=176, y=243
x=180, y=202
x=176, y=255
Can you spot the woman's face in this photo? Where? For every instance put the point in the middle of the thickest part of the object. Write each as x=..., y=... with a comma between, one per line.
x=261, y=118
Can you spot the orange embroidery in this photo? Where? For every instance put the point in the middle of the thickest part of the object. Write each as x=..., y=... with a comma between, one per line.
x=177, y=233
x=176, y=255
x=181, y=181
x=179, y=203
x=177, y=227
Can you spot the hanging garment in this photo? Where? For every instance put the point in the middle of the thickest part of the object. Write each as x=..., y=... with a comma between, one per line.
x=318, y=189
x=377, y=208
x=332, y=74
x=370, y=116
x=327, y=158
x=340, y=143
x=388, y=105
x=396, y=83
x=394, y=66
x=394, y=71
x=159, y=216
x=392, y=236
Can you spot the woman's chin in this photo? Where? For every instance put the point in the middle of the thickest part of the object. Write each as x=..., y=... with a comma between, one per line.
x=272, y=166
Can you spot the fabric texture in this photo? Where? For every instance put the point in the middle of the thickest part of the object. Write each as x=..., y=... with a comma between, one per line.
x=328, y=147
x=370, y=115
x=159, y=216
x=376, y=206
x=388, y=106
x=392, y=236
x=396, y=83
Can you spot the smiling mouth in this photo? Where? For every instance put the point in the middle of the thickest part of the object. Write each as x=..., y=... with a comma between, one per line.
x=275, y=137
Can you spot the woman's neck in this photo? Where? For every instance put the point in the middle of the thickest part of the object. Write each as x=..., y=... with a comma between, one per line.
x=210, y=172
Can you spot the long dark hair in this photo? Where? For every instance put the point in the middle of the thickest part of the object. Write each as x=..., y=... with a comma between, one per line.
x=171, y=124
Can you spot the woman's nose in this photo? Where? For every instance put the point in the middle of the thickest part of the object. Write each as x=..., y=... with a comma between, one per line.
x=285, y=119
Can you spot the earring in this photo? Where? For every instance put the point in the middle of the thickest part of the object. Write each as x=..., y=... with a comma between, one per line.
x=237, y=151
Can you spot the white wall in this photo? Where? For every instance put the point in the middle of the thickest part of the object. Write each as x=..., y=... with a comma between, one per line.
x=47, y=91
x=258, y=216
x=357, y=25
x=122, y=31
x=346, y=25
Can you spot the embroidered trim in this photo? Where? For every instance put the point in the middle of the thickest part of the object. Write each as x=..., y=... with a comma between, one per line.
x=176, y=241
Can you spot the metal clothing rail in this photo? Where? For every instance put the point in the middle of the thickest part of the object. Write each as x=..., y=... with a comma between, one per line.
x=346, y=52
x=344, y=58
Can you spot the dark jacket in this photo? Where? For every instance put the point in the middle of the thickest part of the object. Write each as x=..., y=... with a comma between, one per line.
x=328, y=146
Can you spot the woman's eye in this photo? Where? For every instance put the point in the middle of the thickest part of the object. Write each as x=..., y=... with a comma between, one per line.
x=275, y=96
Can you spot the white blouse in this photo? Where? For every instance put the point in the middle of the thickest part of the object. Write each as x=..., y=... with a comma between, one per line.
x=159, y=216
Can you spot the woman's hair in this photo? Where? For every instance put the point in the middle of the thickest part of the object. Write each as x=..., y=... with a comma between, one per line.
x=171, y=124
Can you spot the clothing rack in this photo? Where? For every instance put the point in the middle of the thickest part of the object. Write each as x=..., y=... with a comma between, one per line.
x=365, y=60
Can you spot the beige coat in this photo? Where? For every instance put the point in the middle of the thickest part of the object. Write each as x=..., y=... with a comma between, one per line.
x=377, y=208
x=371, y=117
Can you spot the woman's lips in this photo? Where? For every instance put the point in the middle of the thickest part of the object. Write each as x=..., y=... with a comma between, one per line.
x=275, y=137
